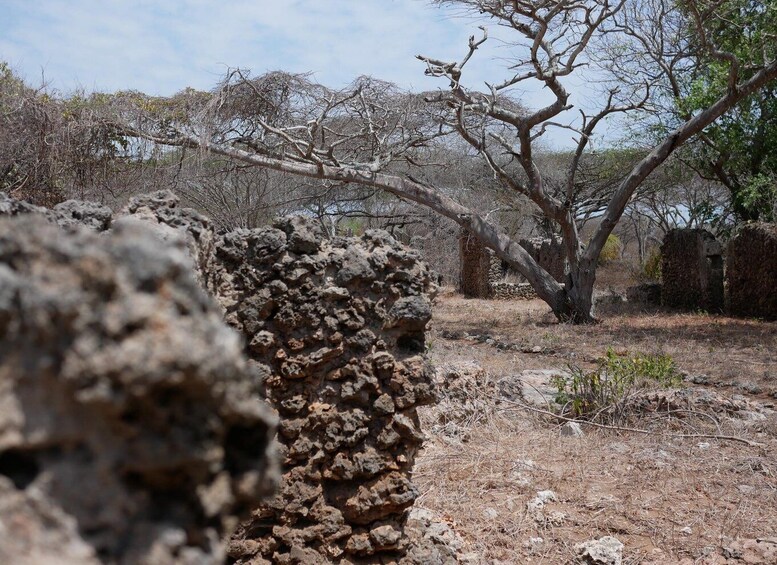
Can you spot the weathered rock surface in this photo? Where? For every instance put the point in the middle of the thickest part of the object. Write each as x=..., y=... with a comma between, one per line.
x=335, y=334
x=692, y=270
x=336, y=327
x=751, y=271
x=131, y=428
x=603, y=551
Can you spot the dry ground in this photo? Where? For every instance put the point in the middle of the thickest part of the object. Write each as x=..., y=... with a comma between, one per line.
x=668, y=499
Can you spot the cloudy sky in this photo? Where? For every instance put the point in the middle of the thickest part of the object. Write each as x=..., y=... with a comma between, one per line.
x=162, y=46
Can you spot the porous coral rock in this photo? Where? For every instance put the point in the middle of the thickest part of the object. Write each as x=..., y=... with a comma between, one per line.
x=131, y=428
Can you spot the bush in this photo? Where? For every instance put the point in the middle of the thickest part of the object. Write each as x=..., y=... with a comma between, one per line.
x=651, y=268
x=603, y=394
x=611, y=250
x=350, y=226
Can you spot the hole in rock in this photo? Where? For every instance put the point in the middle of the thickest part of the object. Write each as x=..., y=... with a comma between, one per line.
x=19, y=466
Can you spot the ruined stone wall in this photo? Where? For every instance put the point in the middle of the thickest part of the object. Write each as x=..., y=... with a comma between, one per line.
x=131, y=426
x=692, y=270
x=337, y=329
x=549, y=254
x=751, y=271
x=503, y=290
x=513, y=291
x=335, y=334
x=483, y=273
x=476, y=267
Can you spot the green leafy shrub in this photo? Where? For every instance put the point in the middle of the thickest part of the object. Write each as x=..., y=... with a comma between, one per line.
x=611, y=250
x=651, y=268
x=603, y=394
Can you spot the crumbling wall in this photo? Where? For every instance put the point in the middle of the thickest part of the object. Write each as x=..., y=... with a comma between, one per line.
x=513, y=291
x=336, y=327
x=339, y=328
x=751, y=271
x=335, y=334
x=549, y=254
x=131, y=428
x=692, y=270
x=483, y=273
x=476, y=267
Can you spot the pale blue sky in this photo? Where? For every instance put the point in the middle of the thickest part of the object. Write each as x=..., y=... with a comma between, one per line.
x=160, y=47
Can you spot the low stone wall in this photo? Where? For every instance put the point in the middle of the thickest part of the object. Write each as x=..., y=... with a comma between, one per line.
x=513, y=291
x=692, y=270
x=751, y=271
x=483, y=273
x=131, y=427
x=644, y=293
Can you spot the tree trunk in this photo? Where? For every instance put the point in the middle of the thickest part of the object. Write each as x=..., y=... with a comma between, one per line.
x=575, y=303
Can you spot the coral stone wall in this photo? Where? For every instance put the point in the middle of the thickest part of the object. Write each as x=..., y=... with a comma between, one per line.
x=483, y=273
x=335, y=334
x=336, y=328
x=549, y=254
x=476, y=267
x=513, y=291
x=131, y=428
x=751, y=271
x=692, y=270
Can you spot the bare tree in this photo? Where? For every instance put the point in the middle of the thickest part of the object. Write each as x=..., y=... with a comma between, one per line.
x=56, y=147
x=373, y=135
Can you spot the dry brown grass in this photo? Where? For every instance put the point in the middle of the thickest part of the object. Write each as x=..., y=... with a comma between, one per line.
x=645, y=490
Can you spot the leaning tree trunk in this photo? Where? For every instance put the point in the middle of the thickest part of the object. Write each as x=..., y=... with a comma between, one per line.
x=578, y=294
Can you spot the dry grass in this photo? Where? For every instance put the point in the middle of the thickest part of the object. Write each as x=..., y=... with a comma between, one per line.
x=665, y=498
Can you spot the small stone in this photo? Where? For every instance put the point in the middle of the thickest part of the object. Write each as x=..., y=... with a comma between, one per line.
x=335, y=293
x=384, y=536
x=384, y=405
x=490, y=514
x=411, y=313
x=604, y=551
x=572, y=429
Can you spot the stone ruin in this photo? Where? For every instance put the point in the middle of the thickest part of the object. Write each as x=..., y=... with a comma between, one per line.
x=334, y=333
x=475, y=271
x=131, y=428
x=692, y=270
x=751, y=271
x=549, y=253
x=483, y=273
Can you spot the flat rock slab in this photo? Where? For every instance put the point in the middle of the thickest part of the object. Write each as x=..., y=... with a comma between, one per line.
x=537, y=386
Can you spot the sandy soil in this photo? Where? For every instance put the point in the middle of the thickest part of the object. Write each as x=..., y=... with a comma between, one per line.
x=668, y=499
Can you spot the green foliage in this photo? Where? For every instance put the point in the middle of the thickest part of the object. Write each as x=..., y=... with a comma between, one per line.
x=740, y=149
x=650, y=270
x=760, y=194
x=352, y=226
x=603, y=394
x=611, y=250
